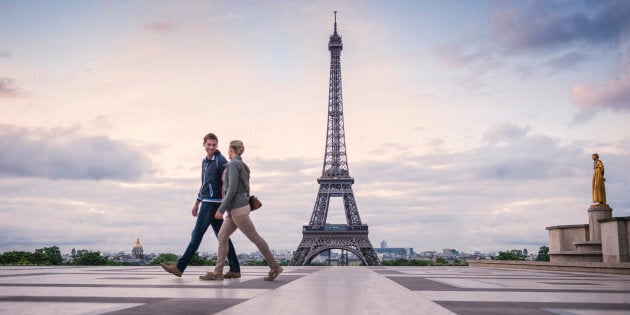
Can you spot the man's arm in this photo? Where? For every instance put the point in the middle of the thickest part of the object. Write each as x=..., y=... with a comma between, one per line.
x=201, y=187
x=195, y=209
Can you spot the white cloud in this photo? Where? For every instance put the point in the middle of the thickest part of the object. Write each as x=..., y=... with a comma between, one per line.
x=65, y=153
x=159, y=26
x=8, y=87
x=487, y=197
x=614, y=94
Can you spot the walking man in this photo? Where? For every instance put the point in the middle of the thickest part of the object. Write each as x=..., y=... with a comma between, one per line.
x=208, y=201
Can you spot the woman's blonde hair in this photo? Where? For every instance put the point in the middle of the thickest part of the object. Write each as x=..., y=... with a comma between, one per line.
x=237, y=146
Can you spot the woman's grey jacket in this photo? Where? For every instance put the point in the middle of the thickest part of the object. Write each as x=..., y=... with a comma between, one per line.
x=236, y=185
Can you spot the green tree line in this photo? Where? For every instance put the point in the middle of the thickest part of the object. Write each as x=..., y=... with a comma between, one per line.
x=543, y=254
x=52, y=256
x=41, y=256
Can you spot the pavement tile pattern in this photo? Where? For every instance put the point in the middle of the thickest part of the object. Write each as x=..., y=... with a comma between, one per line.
x=311, y=290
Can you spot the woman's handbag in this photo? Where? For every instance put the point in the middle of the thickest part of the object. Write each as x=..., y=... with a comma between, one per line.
x=254, y=203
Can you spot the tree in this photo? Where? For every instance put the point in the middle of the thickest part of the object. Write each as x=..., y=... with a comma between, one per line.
x=397, y=262
x=543, y=254
x=16, y=258
x=441, y=261
x=165, y=258
x=511, y=255
x=200, y=261
x=54, y=255
x=39, y=257
x=90, y=258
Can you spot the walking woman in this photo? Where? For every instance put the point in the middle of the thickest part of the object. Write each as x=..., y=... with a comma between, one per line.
x=236, y=204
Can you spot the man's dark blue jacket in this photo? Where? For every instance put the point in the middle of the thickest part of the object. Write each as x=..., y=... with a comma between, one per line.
x=211, y=173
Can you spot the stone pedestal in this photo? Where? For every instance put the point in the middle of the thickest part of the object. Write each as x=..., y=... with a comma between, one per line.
x=570, y=243
x=597, y=212
x=604, y=239
x=562, y=238
x=615, y=239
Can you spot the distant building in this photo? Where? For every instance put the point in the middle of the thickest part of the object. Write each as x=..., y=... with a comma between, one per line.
x=384, y=244
x=394, y=252
x=449, y=253
x=428, y=254
x=525, y=253
x=137, y=252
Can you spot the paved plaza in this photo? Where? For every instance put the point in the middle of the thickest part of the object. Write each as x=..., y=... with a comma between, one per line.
x=311, y=290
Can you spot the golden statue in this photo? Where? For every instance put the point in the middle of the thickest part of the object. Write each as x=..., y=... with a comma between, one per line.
x=599, y=190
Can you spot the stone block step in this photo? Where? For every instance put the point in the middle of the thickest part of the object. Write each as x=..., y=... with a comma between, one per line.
x=588, y=246
x=576, y=256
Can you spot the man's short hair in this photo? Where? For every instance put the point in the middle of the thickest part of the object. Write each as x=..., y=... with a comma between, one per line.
x=210, y=136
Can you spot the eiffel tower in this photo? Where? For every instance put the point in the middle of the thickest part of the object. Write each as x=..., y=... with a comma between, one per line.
x=319, y=236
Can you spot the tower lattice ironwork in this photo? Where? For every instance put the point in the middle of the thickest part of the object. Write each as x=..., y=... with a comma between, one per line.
x=319, y=236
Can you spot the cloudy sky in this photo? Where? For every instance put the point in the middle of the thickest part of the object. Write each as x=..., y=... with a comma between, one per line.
x=469, y=125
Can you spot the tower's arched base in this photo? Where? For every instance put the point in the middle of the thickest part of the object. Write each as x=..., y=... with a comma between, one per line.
x=317, y=239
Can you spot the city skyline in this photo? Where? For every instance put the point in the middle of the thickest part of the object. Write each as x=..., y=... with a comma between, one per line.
x=279, y=251
x=468, y=125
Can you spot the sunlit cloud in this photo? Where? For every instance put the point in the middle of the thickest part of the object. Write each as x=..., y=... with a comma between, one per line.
x=614, y=94
x=160, y=26
x=65, y=153
x=8, y=87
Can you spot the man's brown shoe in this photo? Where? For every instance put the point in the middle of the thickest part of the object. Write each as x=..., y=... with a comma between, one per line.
x=232, y=275
x=273, y=273
x=172, y=269
x=211, y=276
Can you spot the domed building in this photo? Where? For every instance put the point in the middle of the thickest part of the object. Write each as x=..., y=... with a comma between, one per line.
x=137, y=252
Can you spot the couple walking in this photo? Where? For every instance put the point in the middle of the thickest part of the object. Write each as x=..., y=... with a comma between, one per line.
x=224, y=192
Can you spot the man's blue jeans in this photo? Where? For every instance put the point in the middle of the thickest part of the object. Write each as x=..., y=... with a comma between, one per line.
x=205, y=218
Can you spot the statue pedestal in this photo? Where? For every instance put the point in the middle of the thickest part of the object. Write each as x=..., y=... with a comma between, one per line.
x=597, y=212
x=615, y=239
x=583, y=243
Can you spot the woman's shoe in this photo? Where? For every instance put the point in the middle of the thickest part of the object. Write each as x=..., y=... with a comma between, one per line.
x=212, y=276
x=273, y=273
